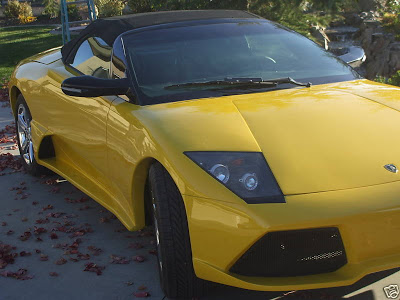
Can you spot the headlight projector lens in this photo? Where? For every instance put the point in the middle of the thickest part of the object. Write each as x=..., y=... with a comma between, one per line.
x=249, y=181
x=221, y=172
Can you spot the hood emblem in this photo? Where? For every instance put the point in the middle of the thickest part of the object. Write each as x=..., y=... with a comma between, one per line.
x=391, y=168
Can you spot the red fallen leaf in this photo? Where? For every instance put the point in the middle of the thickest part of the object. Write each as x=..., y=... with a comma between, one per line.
x=61, y=228
x=50, y=181
x=35, y=203
x=141, y=294
x=3, y=264
x=53, y=274
x=10, y=232
x=63, y=246
x=81, y=200
x=54, y=215
x=153, y=252
x=26, y=235
x=61, y=261
x=38, y=251
x=53, y=236
x=70, y=216
x=42, y=221
x=24, y=253
x=7, y=160
x=83, y=256
x=135, y=246
x=20, y=274
x=55, y=190
x=75, y=244
x=3, y=223
x=138, y=258
x=38, y=239
x=95, y=251
x=92, y=267
x=68, y=223
x=78, y=233
x=47, y=207
x=7, y=256
x=39, y=230
x=16, y=209
x=73, y=259
x=118, y=260
x=44, y=257
x=86, y=207
x=104, y=220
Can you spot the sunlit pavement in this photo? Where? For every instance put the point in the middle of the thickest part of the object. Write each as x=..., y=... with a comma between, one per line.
x=59, y=232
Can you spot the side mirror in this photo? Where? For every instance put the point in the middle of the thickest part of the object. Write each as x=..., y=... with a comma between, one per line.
x=89, y=86
x=354, y=57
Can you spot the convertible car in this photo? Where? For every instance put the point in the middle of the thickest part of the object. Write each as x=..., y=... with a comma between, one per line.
x=263, y=161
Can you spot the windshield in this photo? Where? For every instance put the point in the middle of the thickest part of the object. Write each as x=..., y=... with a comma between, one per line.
x=163, y=58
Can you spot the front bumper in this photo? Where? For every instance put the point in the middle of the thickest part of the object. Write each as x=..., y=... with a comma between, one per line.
x=368, y=220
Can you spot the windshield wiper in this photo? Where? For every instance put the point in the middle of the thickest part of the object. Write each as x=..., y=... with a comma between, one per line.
x=288, y=80
x=242, y=81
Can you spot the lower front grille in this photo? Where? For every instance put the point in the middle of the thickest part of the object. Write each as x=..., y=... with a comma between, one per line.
x=293, y=253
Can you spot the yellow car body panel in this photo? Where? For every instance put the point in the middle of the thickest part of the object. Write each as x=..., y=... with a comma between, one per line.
x=326, y=146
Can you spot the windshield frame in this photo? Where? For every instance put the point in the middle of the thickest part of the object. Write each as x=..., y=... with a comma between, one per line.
x=143, y=99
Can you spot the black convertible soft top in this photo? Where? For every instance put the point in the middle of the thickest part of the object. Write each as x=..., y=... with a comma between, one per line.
x=109, y=29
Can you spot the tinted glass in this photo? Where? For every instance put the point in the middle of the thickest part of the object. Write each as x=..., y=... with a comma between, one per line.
x=93, y=58
x=260, y=49
x=118, y=61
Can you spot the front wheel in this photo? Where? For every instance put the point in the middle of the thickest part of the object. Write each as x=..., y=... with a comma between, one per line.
x=23, y=119
x=174, y=253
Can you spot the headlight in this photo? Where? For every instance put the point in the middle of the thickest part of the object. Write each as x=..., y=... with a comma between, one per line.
x=247, y=174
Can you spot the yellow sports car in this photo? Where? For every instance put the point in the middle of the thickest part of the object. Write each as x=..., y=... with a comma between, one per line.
x=263, y=161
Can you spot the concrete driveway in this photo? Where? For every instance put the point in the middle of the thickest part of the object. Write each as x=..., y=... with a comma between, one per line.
x=56, y=233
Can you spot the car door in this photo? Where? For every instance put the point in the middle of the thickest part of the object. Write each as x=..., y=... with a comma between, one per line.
x=78, y=124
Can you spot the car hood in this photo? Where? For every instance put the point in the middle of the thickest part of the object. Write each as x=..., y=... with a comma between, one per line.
x=328, y=137
x=46, y=57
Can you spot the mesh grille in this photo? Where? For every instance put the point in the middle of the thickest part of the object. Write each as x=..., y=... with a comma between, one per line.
x=293, y=253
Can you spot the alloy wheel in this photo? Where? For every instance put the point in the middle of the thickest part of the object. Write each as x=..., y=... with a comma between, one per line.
x=24, y=134
x=157, y=233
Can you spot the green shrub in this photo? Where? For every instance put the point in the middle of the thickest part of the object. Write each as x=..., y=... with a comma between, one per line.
x=391, y=22
x=74, y=12
x=394, y=80
x=51, y=8
x=139, y=6
x=12, y=9
x=299, y=15
x=110, y=8
x=15, y=9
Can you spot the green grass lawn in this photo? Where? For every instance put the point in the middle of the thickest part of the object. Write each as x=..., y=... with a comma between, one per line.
x=17, y=43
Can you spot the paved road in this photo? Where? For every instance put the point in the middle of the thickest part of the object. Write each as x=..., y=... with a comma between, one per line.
x=79, y=231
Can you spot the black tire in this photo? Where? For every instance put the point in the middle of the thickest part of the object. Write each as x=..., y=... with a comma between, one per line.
x=177, y=277
x=30, y=164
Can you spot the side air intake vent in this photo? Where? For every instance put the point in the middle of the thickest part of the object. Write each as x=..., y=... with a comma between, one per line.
x=293, y=253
